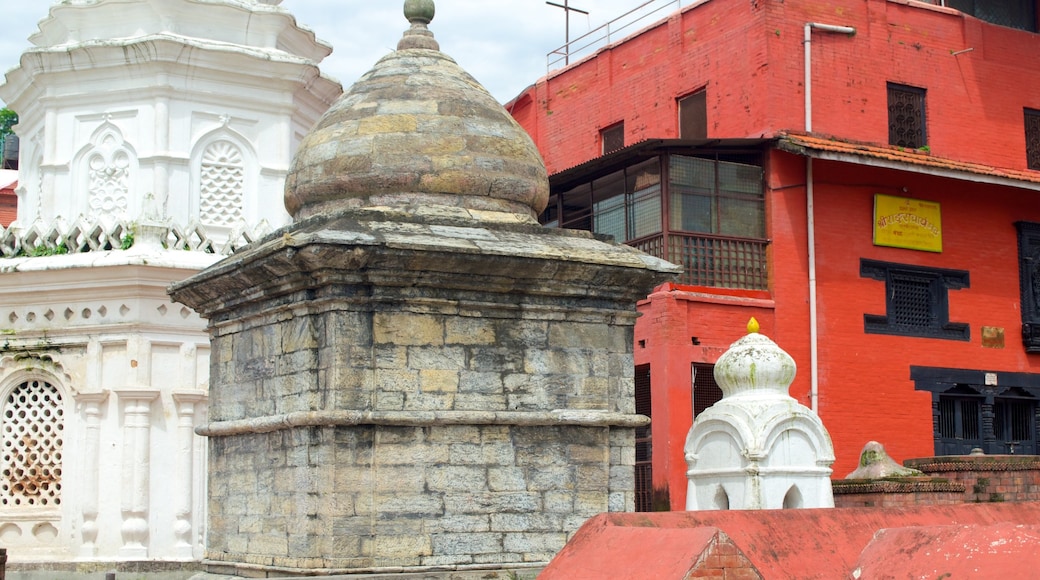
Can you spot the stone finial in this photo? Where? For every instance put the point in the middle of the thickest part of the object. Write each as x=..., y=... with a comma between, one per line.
x=419, y=13
x=874, y=463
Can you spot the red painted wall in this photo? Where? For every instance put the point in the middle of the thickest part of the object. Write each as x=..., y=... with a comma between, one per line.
x=749, y=56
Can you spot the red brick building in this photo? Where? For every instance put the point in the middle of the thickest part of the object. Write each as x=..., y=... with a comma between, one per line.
x=863, y=177
x=8, y=198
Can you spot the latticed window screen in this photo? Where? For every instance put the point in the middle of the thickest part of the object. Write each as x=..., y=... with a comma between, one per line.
x=916, y=300
x=33, y=424
x=912, y=301
x=1033, y=139
x=613, y=138
x=906, y=117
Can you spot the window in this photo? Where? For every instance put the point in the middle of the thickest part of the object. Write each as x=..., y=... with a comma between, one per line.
x=995, y=412
x=715, y=227
x=1032, y=139
x=625, y=204
x=32, y=435
x=706, y=391
x=693, y=116
x=613, y=138
x=644, y=443
x=1019, y=14
x=716, y=197
x=1029, y=283
x=916, y=301
x=906, y=118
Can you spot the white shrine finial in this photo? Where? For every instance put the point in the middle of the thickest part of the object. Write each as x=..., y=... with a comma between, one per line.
x=757, y=448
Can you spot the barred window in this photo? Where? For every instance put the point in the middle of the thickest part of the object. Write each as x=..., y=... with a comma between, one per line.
x=613, y=138
x=33, y=424
x=1019, y=14
x=1032, y=139
x=906, y=116
x=916, y=300
x=693, y=116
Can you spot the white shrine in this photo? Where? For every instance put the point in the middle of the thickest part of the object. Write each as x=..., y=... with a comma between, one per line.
x=758, y=447
x=155, y=138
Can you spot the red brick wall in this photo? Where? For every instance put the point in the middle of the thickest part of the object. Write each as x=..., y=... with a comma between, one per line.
x=8, y=207
x=749, y=56
x=987, y=478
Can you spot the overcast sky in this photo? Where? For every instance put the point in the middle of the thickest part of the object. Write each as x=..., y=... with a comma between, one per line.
x=503, y=43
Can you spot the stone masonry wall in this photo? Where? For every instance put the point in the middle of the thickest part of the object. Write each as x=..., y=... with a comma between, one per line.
x=443, y=453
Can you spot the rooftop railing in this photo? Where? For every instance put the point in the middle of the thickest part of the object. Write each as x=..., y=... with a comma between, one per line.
x=616, y=29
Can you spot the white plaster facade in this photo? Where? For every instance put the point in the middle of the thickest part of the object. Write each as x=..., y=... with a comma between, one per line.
x=758, y=447
x=173, y=121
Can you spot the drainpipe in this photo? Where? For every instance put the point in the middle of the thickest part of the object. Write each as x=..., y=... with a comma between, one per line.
x=814, y=364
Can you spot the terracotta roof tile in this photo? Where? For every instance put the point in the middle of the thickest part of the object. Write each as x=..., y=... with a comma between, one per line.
x=813, y=145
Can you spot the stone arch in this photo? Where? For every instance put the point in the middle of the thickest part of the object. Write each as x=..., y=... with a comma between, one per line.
x=812, y=432
x=223, y=173
x=106, y=168
x=32, y=432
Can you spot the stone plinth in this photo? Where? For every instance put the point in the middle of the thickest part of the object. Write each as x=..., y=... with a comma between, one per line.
x=757, y=448
x=987, y=478
x=421, y=393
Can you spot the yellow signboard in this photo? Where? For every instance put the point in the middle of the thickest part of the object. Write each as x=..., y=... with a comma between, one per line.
x=907, y=223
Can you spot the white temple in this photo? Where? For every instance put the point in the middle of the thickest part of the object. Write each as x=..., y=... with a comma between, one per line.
x=757, y=448
x=155, y=137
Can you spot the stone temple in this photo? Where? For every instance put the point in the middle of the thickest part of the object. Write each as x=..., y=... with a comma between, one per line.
x=414, y=375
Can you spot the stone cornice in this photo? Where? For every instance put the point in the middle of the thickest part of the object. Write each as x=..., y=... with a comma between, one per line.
x=355, y=249
x=302, y=419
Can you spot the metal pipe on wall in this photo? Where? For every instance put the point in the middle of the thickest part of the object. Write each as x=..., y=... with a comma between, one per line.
x=810, y=201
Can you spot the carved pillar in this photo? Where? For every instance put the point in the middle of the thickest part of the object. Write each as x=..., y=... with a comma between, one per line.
x=182, y=529
x=989, y=438
x=137, y=407
x=91, y=451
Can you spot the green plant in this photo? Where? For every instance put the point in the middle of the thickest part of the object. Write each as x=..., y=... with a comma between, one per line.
x=924, y=149
x=127, y=240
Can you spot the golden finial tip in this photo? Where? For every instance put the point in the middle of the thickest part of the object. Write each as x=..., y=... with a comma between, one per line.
x=752, y=326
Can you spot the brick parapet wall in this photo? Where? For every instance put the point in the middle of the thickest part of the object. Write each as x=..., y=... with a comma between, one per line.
x=987, y=478
x=901, y=492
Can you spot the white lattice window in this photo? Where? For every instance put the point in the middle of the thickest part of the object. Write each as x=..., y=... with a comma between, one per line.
x=33, y=424
x=222, y=183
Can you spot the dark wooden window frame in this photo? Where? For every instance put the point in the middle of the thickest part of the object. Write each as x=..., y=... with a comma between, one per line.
x=995, y=392
x=1029, y=283
x=940, y=281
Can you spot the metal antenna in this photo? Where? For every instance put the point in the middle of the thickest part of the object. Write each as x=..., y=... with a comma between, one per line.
x=567, y=10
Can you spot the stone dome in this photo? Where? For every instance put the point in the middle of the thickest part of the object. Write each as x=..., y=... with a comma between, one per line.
x=755, y=366
x=417, y=130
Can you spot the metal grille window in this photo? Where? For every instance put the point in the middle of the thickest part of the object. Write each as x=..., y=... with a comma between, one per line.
x=706, y=391
x=693, y=116
x=1032, y=139
x=906, y=116
x=613, y=138
x=916, y=300
x=33, y=423
x=644, y=443
x=1019, y=14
